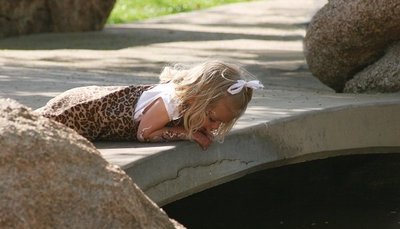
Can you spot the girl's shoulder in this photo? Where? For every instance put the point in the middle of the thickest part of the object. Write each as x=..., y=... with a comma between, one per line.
x=165, y=91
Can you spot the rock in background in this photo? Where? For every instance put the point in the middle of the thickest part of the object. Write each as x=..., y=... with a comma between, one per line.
x=345, y=36
x=381, y=76
x=19, y=17
x=51, y=177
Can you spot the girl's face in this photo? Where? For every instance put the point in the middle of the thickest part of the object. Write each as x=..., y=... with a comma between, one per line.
x=223, y=111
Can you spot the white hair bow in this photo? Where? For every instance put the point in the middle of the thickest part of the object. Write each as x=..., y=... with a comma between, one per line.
x=238, y=86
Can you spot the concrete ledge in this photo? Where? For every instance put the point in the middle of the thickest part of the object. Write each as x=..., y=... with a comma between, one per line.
x=182, y=169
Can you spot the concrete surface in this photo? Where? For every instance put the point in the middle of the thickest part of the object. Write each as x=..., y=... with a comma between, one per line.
x=295, y=118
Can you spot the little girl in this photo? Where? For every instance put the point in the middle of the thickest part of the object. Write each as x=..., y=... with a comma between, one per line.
x=200, y=103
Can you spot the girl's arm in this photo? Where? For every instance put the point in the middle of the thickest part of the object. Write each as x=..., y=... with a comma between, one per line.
x=152, y=127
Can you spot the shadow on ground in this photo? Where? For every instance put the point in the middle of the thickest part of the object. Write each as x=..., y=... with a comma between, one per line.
x=120, y=38
x=264, y=38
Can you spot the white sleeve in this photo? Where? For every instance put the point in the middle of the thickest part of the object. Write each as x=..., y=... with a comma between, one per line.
x=164, y=91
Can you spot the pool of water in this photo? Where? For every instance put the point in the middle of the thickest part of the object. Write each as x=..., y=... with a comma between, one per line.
x=360, y=191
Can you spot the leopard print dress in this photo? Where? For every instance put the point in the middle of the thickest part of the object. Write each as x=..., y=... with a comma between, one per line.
x=97, y=112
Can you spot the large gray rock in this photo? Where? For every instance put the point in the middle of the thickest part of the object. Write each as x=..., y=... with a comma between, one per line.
x=18, y=17
x=347, y=35
x=51, y=177
x=381, y=76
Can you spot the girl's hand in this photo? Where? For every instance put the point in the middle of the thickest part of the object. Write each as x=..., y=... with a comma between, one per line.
x=152, y=127
x=203, y=139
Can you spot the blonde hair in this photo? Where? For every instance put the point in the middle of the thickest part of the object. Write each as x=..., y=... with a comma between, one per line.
x=200, y=87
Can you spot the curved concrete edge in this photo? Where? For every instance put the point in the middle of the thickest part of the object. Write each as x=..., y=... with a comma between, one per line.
x=339, y=131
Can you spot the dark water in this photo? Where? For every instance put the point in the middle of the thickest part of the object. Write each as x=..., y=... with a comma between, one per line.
x=345, y=192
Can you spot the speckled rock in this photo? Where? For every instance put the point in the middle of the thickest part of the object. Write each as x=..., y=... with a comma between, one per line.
x=380, y=77
x=51, y=177
x=347, y=35
x=36, y=16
